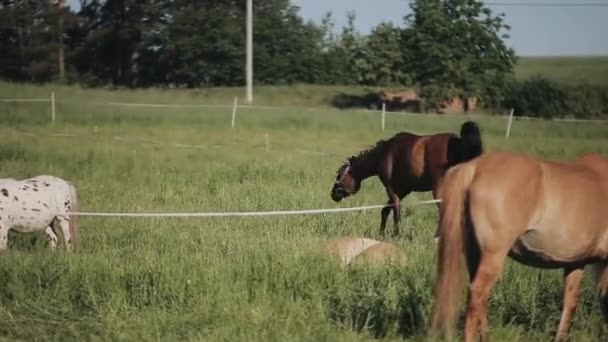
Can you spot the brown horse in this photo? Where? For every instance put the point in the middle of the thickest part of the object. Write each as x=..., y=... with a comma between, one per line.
x=541, y=213
x=407, y=162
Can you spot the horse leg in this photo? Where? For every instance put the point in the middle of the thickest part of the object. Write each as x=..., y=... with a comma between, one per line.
x=601, y=276
x=396, y=199
x=384, y=215
x=436, y=236
x=52, y=236
x=64, y=223
x=397, y=216
x=392, y=204
x=485, y=274
x=572, y=284
x=3, y=235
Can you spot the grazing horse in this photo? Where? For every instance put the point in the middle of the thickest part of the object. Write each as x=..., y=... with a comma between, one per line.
x=38, y=204
x=541, y=213
x=407, y=162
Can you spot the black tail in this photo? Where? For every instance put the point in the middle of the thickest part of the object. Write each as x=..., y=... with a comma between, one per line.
x=471, y=145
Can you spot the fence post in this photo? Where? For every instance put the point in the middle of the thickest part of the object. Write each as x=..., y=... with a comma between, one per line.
x=236, y=99
x=508, y=134
x=383, y=115
x=53, y=106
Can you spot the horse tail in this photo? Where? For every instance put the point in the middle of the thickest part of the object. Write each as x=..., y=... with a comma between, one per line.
x=601, y=278
x=452, y=244
x=74, y=231
x=472, y=145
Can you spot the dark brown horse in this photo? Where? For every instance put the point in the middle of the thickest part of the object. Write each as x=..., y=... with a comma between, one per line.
x=405, y=163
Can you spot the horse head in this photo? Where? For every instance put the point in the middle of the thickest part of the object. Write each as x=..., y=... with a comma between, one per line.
x=346, y=183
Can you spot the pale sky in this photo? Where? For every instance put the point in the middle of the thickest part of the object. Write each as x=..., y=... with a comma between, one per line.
x=555, y=30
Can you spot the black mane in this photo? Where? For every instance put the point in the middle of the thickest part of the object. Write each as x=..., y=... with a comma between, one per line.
x=379, y=145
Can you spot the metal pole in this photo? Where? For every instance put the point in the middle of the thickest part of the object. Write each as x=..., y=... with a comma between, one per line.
x=509, y=124
x=236, y=99
x=383, y=115
x=249, y=65
x=53, y=106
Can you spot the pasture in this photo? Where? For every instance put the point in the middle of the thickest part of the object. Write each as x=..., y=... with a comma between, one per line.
x=245, y=278
x=565, y=70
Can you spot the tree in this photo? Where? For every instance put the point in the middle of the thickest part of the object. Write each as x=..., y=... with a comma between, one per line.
x=112, y=36
x=382, y=59
x=458, y=50
x=31, y=39
x=206, y=44
x=286, y=49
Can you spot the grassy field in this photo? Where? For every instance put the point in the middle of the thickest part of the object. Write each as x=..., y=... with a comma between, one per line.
x=566, y=70
x=256, y=278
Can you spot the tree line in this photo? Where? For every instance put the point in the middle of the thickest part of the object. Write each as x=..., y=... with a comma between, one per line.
x=446, y=47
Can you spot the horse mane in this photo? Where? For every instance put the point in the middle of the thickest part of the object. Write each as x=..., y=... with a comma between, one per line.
x=377, y=147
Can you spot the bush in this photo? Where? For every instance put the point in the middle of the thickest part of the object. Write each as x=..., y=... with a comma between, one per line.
x=539, y=97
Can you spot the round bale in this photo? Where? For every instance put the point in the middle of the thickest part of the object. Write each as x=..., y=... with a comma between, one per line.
x=382, y=253
x=352, y=249
x=346, y=247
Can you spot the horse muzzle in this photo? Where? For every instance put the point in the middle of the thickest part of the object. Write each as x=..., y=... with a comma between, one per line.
x=338, y=194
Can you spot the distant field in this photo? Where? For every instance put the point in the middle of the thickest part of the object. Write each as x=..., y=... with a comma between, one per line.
x=568, y=70
x=299, y=95
x=241, y=279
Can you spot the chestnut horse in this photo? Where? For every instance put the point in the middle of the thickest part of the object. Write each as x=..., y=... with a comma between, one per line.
x=405, y=163
x=541, y=213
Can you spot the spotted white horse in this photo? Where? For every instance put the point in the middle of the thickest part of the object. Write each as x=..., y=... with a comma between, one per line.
x=38, y=204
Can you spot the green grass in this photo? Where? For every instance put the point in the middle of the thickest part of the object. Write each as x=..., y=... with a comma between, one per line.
x=255, y=278
x=299, y=95
x=566, y=70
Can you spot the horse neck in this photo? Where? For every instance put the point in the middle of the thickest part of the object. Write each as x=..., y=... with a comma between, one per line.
x=367, y=164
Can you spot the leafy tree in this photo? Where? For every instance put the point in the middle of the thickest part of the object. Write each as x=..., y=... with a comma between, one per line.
x=31, y=39
x=112, y=31
x=382, y=60
x=206, y=44
x=458, y=50
x=286, y=49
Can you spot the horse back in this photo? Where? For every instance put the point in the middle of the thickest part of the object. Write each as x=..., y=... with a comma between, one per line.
x=553, y=210
x=34, y=201
x=419, y=160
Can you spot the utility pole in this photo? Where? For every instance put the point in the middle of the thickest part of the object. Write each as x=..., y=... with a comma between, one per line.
x=249, y=64
x=60, y=52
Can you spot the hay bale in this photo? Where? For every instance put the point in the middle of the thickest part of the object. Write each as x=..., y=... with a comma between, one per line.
x=382, y=253
x=351, y=249
x=346, y=247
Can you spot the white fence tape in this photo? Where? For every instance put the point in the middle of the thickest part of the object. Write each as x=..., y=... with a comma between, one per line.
x=25, y=100
x=425, y=115
x=142, y=141
x=159, y=105
x=246, y=213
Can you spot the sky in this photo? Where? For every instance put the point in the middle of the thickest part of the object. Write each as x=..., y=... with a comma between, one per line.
x=536, y=31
